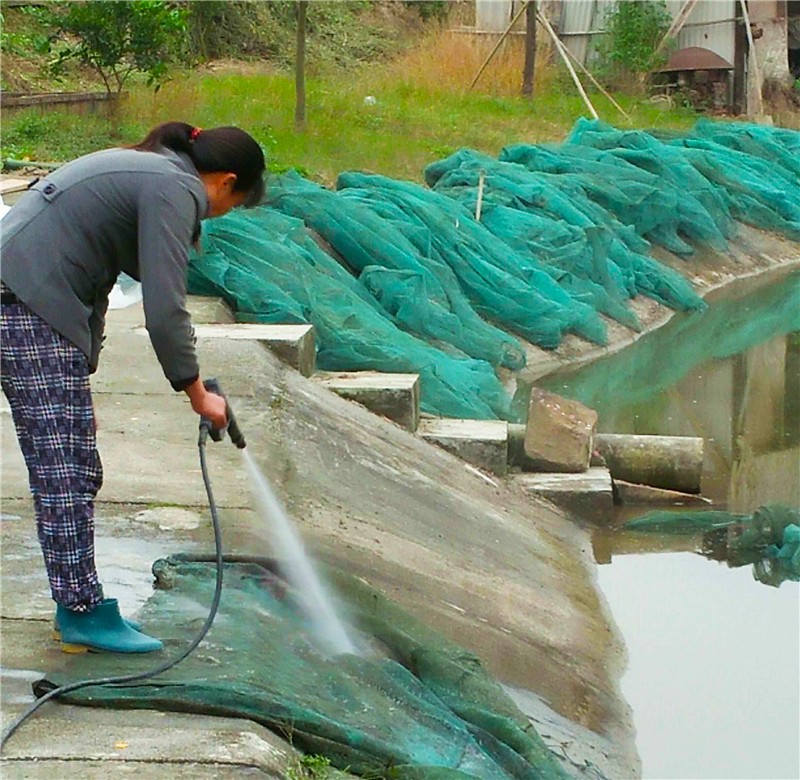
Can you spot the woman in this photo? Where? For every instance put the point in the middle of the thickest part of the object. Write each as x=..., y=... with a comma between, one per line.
x=63, y=244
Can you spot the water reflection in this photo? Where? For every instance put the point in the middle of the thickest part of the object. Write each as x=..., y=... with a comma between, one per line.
x=714, y=658
x=730, y=375
x=769, y=539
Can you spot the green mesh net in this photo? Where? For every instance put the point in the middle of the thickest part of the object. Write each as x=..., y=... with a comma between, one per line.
x=403, y=278
x=269, y=269
x=412, y=705
x=769, y=538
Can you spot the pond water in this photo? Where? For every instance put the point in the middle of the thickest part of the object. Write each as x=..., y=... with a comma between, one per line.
x=714, y=655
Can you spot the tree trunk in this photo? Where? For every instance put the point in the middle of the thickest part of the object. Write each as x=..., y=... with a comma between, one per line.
x=300, y=68
x=530, y=49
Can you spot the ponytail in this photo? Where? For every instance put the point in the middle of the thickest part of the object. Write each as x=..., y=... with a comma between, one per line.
x=220, y=149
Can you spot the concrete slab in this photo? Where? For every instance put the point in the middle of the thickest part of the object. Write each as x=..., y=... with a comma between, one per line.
x=632, y=493
x=208, y=309
x=395, y=396
x=589, y=494
x=293, y=344
x=446, y=542
x=484, y=443
x=8, y=185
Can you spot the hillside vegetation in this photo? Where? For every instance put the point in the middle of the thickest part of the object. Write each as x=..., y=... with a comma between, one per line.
x=387, y=91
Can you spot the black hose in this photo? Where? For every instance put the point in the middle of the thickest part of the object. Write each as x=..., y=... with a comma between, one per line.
x=129, y=678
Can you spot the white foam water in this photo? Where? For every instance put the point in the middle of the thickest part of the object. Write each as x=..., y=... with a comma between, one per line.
x=297, y=566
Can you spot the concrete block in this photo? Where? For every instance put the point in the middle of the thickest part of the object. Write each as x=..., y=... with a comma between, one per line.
x=632, y=493
x=558, y=437
x=516, y=449
x=589, y=494
x=293, y=344
x=484, y=443
x=208, y=309
x=395, y=396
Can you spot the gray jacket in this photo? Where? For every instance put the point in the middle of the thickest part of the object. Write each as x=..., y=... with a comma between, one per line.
x=66, y=240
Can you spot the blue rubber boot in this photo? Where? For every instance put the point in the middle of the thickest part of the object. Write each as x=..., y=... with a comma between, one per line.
x=102, y=629
x=57, y=628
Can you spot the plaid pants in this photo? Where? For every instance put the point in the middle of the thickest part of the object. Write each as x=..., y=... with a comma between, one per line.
x=46, y=381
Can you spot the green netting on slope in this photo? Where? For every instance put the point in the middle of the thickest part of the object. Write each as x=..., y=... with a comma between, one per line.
x=759, y=189
x=424, y=708
x=769, y=538
x=655, y=206
x=420, y=292
x=267, y=267
x=503, y=285
x=614, y=259
x=728, y=327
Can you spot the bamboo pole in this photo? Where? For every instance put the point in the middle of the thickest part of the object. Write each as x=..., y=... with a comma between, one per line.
x=481, y=182
x=497, y=46
x=557, y=42
x=593, y=79
x=677, y=24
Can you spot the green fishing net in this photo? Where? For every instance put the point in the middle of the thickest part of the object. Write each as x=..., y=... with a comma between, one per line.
x=269, y=269
x=400, y=277
x=411, y=705
x=769, y=538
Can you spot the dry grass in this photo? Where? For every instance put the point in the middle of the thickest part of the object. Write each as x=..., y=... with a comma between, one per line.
x=450, y=60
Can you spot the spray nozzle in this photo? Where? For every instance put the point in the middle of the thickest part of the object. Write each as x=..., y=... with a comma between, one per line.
x=217, y=434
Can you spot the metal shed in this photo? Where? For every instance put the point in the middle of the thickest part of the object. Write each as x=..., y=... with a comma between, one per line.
x=711, y=24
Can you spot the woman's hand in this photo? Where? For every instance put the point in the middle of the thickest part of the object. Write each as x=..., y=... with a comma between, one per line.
x=207, y=404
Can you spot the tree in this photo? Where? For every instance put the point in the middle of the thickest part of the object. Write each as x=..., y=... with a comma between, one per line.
x=300, y=68
x=116, y=39
x=634, y=30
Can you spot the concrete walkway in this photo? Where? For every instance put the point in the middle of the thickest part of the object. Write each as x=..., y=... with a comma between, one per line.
x=502, y=573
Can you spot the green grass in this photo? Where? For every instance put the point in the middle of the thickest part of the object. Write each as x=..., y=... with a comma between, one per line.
x=408, y=126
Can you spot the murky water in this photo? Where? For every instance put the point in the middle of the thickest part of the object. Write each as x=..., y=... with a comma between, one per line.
x=714, y=655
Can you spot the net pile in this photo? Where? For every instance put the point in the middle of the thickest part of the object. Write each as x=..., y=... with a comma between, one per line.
x=418, y=708
x=403, y=278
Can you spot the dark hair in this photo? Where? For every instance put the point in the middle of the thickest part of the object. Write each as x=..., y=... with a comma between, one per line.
x=220, y=149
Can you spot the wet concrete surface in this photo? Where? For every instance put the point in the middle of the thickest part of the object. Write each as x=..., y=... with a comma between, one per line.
x=503, y=574
x=506, y=575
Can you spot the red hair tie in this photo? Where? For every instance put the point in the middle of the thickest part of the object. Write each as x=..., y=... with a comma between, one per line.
x=194, y=133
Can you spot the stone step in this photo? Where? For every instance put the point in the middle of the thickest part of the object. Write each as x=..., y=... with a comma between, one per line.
x=395, y=396
x=589, y=494
x=483, y=443
x=293, y=344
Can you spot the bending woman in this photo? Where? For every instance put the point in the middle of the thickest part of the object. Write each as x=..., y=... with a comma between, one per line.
x=63, y=245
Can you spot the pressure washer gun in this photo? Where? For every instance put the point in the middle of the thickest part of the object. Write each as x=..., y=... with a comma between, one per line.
x=217, y=434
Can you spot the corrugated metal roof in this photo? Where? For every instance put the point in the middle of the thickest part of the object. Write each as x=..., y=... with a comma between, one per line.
x=492, y=15
x=711, y=26
x=579, y=19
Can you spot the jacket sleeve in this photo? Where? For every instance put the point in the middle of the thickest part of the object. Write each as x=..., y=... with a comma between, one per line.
x=168, y=218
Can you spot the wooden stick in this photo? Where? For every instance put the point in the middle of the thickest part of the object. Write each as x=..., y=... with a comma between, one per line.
x=677, y=24
x=497, y=46
x=481, y=181
x=594, y=80
x=558, y=45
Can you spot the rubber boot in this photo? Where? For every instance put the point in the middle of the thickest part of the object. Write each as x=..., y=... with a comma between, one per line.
x=57, y=629
x=101, y=629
